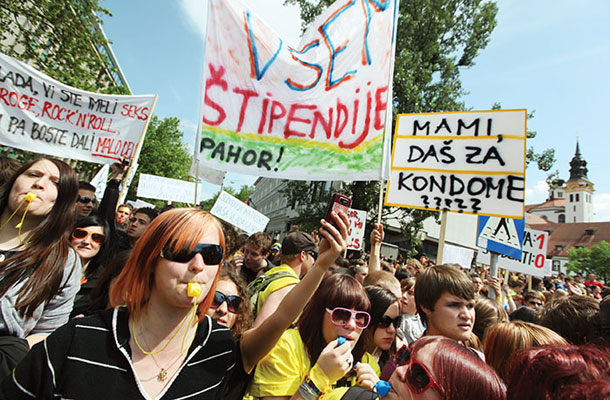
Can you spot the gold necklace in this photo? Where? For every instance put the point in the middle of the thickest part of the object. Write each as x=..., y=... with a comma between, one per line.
x=162, y=375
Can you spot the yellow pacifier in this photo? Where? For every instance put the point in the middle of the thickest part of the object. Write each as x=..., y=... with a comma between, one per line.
x=194, y=289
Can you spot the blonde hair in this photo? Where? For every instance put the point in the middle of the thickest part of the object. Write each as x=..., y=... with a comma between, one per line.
x=503, y=339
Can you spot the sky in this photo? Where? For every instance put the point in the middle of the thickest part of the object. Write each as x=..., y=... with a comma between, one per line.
x=550, y=57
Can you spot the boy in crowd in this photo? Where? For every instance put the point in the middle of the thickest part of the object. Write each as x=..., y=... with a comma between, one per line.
x=444, y=296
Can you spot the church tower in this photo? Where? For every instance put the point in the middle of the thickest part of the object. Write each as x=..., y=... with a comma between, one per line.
x=578, y=191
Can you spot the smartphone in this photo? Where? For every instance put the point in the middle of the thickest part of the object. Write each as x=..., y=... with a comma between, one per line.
x=339, y=202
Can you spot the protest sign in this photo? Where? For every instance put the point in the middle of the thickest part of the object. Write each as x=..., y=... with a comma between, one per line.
x=140, y=204
x=314, y=112
x=160, y=188
x=458, y=255
x=238, y=213
x=357, y=221
x=207, y=174
x=533, y=258
x=40, y=114
x=468, y=162
x=99, y=181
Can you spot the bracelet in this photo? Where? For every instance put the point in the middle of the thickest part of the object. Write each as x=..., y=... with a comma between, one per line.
x=306, y=391
x=319, y=379
x=312, y=385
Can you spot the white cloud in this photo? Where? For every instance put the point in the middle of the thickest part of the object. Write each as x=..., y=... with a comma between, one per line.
x=601, y=207
x=537, y=193
x=195, y=14
x=284, y=20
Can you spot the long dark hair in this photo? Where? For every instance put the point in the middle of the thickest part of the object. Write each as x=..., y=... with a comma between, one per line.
x=43, y=260
x=381, y=299
x=101, y=259
x=336, y=290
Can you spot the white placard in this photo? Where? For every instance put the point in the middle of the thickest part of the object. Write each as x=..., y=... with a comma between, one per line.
x=99, y=181
x=533, y=260
x=140, y=204
x=357, y=222
x=209, y=175
x=467, y=162
x=238, y=213
x=40, y=114
x=160, y=188
x=458, y=255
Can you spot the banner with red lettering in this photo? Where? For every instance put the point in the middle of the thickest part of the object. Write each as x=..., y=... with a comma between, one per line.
x=316, y=111
x=40, y=114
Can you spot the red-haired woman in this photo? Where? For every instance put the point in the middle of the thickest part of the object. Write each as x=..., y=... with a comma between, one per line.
x=309, y=360
x=39, y=272
x=560, y=372
x=162, y=344
x=435, y=368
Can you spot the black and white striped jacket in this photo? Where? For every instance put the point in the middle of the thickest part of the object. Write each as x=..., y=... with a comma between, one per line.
x=90, y=358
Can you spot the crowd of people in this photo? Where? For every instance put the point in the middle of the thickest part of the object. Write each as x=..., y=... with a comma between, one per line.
x=100, y=300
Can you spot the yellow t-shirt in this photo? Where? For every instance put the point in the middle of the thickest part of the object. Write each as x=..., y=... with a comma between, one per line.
x=283, y=369
x=276, y=284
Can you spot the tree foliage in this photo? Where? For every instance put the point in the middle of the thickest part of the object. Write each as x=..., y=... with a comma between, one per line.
x=163, y=153
x=435, y=39
x=61, y=39
x=595, y=260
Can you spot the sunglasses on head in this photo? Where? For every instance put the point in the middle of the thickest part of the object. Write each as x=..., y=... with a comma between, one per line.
x=86, y=200
x=233, y=302
x=342, y=316
x=81, y=233
x=211, y=253
x=419, y=379
x=386, y=321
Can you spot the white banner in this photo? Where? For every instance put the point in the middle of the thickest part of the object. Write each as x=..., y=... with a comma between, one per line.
x=238, y=213
x=357, y=222
x=160, y=188
x=457, y=255
x=100, y=180
x=468, y=162
x=533, y=259
x=312, y=112
x=40, y=114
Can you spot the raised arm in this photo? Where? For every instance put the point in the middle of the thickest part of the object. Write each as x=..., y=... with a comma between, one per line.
x=257, y=342
x=376, y=239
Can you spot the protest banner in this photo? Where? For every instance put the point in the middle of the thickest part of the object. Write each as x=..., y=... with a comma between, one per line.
x=357, y=222
x=238, y=213
x=160, y=188
x=457, y=255
x=99, y=181
x=42, y=115
x=533, y=259
x=315, y=112
x=468, y=162
x=140, y=204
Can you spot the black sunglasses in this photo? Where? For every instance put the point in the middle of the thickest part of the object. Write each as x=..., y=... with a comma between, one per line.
x=386, y=321
x=211, y=253
x=233, y=302
x=313, y=254
x=86, y=200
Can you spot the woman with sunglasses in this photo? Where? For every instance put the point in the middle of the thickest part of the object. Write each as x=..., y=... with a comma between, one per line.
x=90, y=239
x=311, y=359
x=380, y=336
x=438, y=368
x=161, y=344
x=39, y=272
x=230, y=307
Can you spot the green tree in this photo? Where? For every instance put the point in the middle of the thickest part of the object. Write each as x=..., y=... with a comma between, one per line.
x=62, y=39
x=435, y=40
x=595, y=260
x=163, y=153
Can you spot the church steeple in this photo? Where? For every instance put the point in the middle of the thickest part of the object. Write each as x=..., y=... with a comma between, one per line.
x=578, y=166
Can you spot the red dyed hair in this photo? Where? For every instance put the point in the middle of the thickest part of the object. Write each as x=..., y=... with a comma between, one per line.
x=560, y=373
x=179, y=228
x=460, y=371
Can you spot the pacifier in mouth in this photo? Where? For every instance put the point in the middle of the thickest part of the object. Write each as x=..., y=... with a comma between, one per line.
x=29, y=197
x=193, y=289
